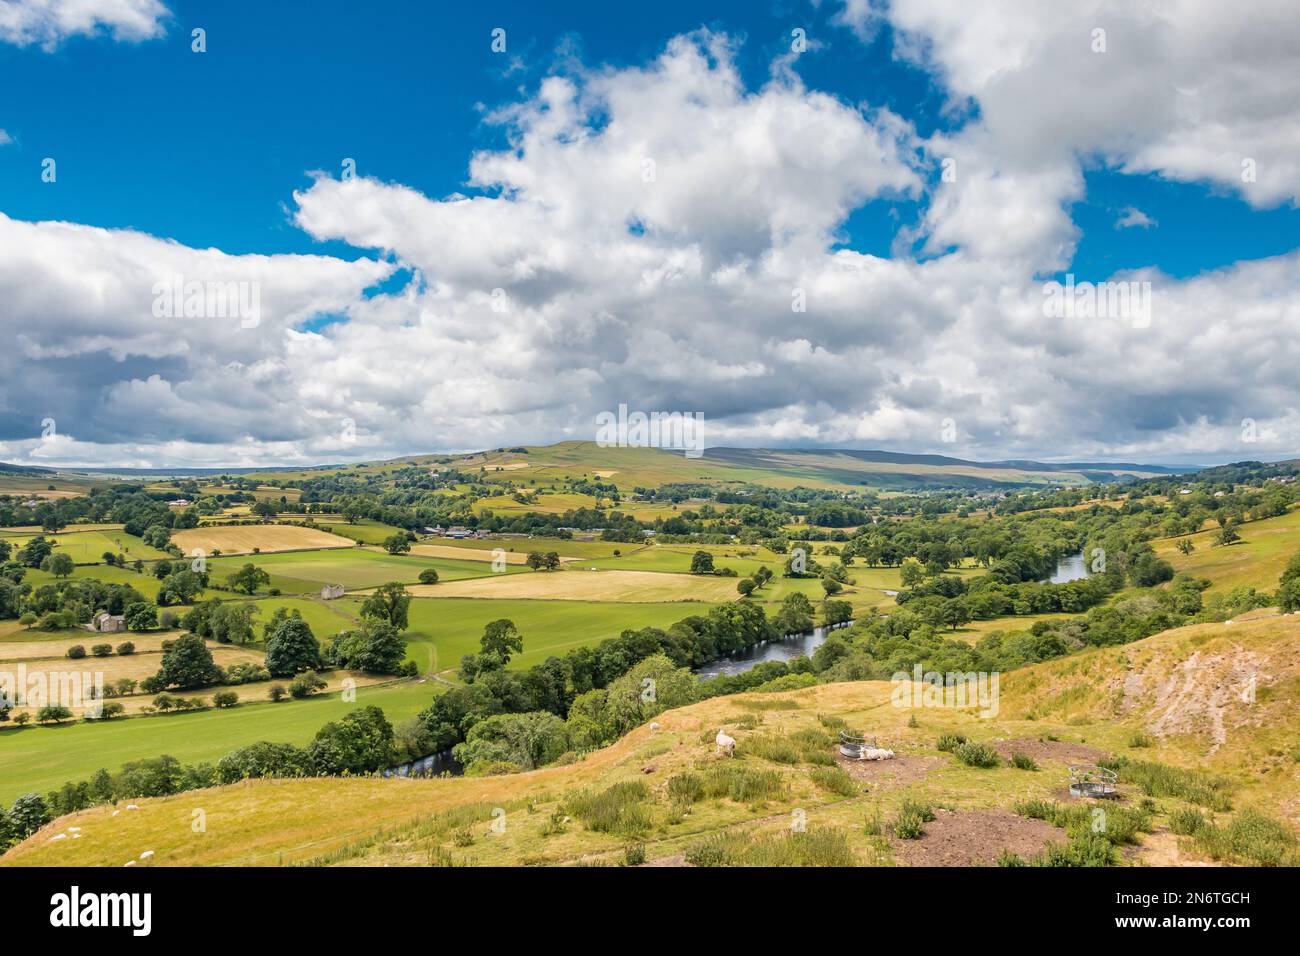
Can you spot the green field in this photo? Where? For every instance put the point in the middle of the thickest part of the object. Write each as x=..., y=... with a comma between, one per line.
x=1256, y=560
x=301, y=572
x=88, y=547
x=363, y=530
x=41, y=758
x=445, y=629
x=564, y=547
x=142, y=581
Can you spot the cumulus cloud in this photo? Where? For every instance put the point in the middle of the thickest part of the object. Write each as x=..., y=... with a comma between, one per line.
x=663, y=236
x=1130, y=217
x=50, y=22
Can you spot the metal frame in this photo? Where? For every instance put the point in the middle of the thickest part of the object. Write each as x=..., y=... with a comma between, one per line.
x=854, y=746
x=1088, y=780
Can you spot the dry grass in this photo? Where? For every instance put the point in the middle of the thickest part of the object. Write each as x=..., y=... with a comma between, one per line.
x=242, y=539
x=574, y=585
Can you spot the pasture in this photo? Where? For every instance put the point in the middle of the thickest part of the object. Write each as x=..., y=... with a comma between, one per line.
x=42, y=758
x=1257, y=560
x=242, y=539
x=302, y=572
x=597, y=586
x=88, y=547
x=444, y=630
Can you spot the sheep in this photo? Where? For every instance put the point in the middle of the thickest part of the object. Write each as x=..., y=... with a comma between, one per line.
x=146, y=854
x=654, y=725
x=877, y=753
x=726, y=744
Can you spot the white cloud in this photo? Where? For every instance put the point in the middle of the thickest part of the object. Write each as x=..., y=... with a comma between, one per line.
x=50, y=22
x=1130, y=217
x=670, y=291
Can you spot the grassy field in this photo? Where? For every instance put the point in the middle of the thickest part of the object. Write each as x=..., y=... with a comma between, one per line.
x=1258, y=559
x=142, y=581
x=301, y=572
x=1082, y=707
x=363, y=530
x=88, y=547
x=242, y=539
x=444, y=630
x=40, y=758
x=576, y=585
x=564, y=547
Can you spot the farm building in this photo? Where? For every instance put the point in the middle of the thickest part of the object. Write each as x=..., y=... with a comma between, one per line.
x=105, y=623
x=331, y=591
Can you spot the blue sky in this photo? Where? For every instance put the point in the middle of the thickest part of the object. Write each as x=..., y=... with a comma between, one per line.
x=1124, y=164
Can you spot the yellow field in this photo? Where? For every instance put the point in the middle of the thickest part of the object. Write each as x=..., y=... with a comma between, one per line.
x=18, y=650
x=242, y=539
x=637, y=586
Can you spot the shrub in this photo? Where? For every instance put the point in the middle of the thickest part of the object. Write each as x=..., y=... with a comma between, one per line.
x=742, y=784
x=306, y=684
x=818, y=846
x=277, y=693
x=634, y=855
x=1162, y=780
x=834, y=779
x=977, y=755
x=1023, y=762
x=950, y=742
x=909, y=824
x=685, y=788
x=1140, y=739
x=1186, y=822
x=53, y=714
x=102, y=650
x=126, y=649
x=832, y=722
x=617, y=809
x=1251, y=838
x=225, y=698
x=429, y=576
x=76, y=652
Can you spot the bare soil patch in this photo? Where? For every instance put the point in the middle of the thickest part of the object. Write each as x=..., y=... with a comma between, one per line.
x=975, y=837
x=1041, y=750
x=889, y=773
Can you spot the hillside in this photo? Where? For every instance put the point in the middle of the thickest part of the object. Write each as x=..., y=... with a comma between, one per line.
x=1179, y=699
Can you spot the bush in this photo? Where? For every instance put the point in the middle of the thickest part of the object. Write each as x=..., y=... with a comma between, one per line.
x=1140, y=739
x=1023, y=762
x=977, y=755
x=950, y=742
x=429, y=576
x=225, y=698
x=126, y=649
x=53, y=714
x=76, y=652
x=909, y=824
x=834, y=779
x=742, y=784
x=277, y=693
x=1162, y=780
x=617, y=809
x=102, y=650
x=306, y=684
x=634, y=855
x=819, y=846
x=1186, y=822
x=685, y=788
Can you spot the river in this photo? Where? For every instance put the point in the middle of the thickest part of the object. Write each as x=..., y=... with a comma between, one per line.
x=1072, y=567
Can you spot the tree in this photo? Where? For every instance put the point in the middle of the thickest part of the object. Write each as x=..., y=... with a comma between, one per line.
x=1186, y=546
x=225, y=698
x=796, y=614
x=232, y=622
x=58, y=564
x=551, y=561
x=502, y=640
x=397, y=543
x=1288, y=592
x=277, y=693
x=141, y=616
x=527, y=740
x=53, y=714
x=292, y=648
x=376, y=648
x=28, y=814
x=390, y=602
x=701, y=563
x=362, y=742
x=831, y=586
x=746, y=586
x=248, y=578
x=429, y=576
x=535, y=560
x=911, y=573
x=265, y=509
x=181, y=587
x=188, y=664
x=954, y=614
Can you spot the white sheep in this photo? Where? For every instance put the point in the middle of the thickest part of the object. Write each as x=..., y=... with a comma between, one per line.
x=726, y=744
x=654, y=725
x=877, y=753
x=132, y=806
x=129, y=863
x=146, y=854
